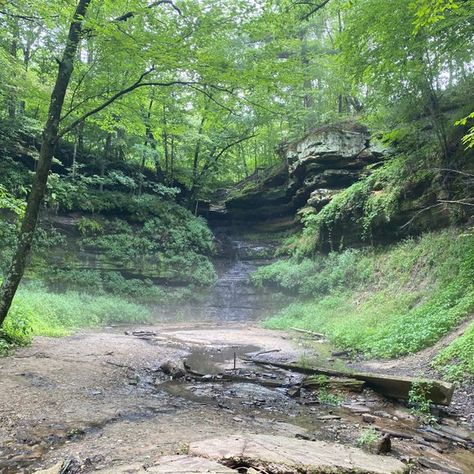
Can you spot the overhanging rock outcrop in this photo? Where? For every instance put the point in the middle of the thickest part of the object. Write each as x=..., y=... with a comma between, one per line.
x=315, y=168
x=327, y=160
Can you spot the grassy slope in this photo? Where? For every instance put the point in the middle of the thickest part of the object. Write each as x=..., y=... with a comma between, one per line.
x=385, y=303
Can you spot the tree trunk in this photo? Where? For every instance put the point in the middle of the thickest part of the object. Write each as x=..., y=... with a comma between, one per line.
x=106, y=157
x=50, y=138
x=80, y=138
x=12, y=99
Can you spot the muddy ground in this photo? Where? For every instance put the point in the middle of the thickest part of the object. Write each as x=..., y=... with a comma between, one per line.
x=103, y=398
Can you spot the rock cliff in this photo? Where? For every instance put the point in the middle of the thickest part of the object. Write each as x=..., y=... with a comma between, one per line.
x=315, y=169
x=328, y=160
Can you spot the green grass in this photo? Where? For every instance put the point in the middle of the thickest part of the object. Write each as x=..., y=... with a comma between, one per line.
x=36, y=311
x=457, y=359
x=384, y=303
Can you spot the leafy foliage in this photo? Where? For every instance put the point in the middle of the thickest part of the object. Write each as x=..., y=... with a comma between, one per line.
x=368, y=438
x=407, y=298
x=418, y=398
x=457, y=360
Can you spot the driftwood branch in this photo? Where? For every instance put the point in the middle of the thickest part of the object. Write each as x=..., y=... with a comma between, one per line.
x=309, y=333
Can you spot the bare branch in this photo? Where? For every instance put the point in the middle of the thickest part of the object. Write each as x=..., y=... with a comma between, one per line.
x=421, y=211
x=448, y=170
x=129, y=15
x=462, y=202
x=314, y=9
x=441, y=202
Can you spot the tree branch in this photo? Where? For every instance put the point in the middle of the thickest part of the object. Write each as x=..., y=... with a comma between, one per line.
x=211, y=97
x=21, y=17
x=449, y=170
x=129, y=15
x=421, y=211
x=314, y=9
x=136, y=85
x=462, y=202
x=214, y=159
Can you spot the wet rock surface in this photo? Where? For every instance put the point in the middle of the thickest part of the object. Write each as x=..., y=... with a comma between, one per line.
x=282, y=455
x=112, y=402
x=233, y=298
x=317, y=167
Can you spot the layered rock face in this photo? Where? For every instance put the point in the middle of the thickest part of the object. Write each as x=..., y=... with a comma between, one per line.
x=315, y=169
x=327, y=161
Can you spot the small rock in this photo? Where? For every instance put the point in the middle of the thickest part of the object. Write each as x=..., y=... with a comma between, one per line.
x=368, y=418
x=294, y=392
x=328, y=417
x=384, y=445
x=174, y=370
x=134, y=380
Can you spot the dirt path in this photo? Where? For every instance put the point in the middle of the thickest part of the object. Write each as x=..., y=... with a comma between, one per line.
x=101, y=397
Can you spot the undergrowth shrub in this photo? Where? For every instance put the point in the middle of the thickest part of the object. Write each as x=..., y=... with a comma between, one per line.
x=175, y=247
x=36, y=311
x=457, y=360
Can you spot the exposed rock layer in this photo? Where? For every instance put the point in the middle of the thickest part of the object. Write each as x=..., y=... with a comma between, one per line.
x=316, y=168
x=281, y=455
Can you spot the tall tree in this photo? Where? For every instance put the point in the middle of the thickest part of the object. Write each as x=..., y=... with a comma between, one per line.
x=50, y=138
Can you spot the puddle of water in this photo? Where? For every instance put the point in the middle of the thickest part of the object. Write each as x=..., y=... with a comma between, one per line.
x=206, y=361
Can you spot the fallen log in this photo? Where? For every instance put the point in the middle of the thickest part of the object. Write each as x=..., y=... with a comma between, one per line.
x=219, y=378
x=342, y=383
x=141, y=333
x=310, y=333
x=392, y=386
x=267, y=352
x=394, y=434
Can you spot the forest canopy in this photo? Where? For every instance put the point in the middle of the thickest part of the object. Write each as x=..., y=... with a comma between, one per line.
x=179, y=100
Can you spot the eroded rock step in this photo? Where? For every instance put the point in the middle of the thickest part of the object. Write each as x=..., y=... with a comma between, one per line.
x=281, y=455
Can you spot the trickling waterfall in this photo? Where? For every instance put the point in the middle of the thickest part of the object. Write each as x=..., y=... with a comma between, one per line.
x=233, y=298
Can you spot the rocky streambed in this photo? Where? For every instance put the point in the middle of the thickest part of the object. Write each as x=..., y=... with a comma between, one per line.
x=119, y=399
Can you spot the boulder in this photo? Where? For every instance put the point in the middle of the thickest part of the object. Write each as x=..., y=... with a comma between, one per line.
x=281, y=455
